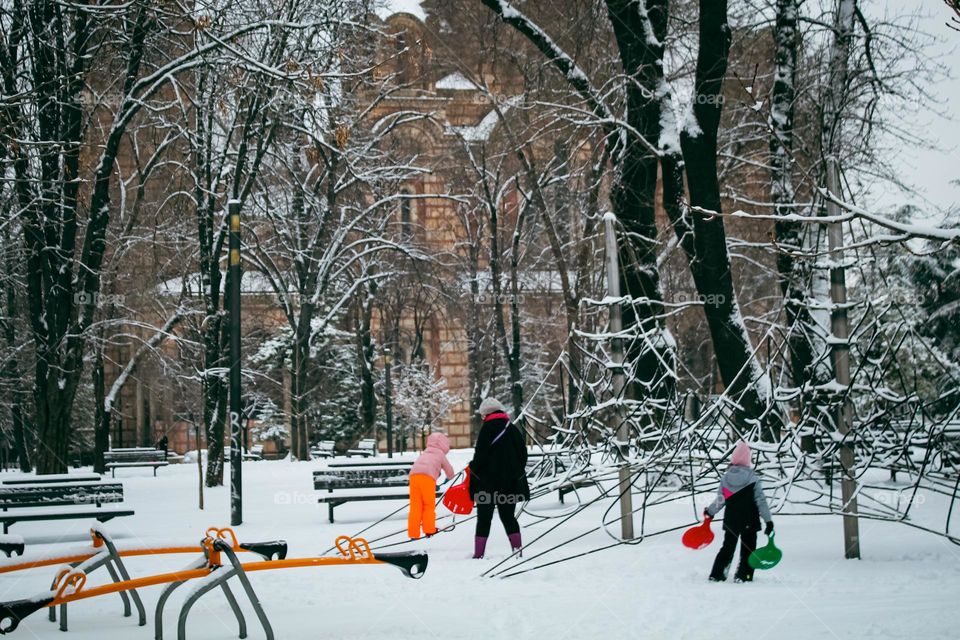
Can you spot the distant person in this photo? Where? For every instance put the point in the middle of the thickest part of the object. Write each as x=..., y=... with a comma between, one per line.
x=498, y=475
x=423, y=485
x=163, y=445
x=741, y=492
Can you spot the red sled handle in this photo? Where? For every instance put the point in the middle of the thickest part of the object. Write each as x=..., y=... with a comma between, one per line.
x=699, y=536
x=457, y=498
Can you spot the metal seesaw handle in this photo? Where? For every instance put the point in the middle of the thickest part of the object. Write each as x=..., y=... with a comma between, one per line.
x=11, y=613
x=274, y=550
x=413, y=564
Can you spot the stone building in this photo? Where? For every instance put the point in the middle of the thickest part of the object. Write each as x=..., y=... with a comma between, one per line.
x=459, y=111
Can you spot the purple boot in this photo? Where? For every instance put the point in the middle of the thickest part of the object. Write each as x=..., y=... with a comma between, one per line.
x=515, y=543
x=479, y=546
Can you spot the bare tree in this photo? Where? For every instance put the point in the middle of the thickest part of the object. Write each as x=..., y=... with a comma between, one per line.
x=954, y=22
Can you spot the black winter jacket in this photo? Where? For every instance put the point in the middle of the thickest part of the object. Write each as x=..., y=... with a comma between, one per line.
x=499, y=467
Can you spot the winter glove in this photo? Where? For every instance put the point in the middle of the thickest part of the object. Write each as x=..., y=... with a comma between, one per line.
x=769, y=528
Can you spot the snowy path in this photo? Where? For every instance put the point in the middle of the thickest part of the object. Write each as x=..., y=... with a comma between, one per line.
x=906, y=586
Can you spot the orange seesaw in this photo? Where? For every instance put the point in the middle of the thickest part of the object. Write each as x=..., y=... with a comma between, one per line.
x=69, y=584
x=267, y=550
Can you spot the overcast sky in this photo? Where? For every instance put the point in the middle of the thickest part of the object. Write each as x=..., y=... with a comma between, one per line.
x=930, y=169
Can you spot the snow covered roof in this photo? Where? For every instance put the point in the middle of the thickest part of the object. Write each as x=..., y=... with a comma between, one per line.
x=456, y=82
x=481, y=131
x=252, y=282
x=388, y=8
x=535, y=281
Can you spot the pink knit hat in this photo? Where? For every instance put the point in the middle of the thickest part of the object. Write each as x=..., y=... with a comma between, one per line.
x=741, y=455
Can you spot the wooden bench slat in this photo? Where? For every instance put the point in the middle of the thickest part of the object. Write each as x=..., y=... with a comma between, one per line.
x=58, y=477
x=9, y=518
x=34, y=501
x=343, y=496
x=136, y=464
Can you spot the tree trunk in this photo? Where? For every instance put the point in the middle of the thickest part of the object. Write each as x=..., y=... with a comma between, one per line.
x=300, y=355
x=639, y=30
x=214, y=399
x=365, y=348
x=795, y=277
x=515, y=354
x=745, y=381
x=496, y=275
x=101, y=419
x=474, y=356
x=11, y=368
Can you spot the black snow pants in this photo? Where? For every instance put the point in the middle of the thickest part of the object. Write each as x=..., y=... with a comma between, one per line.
x=748, y=542
x=507, y=513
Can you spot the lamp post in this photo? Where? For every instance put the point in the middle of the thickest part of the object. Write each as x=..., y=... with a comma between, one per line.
x=236, y=433
x=388, y=401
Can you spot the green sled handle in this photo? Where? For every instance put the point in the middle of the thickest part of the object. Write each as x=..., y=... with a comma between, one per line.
x=766, y=557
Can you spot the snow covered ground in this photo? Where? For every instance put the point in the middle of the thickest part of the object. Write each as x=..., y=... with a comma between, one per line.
x=905, y=587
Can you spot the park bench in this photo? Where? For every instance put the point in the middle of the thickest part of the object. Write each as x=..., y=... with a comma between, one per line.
x=251, y=455
x=365, y=448
x=361, y=483
x=54, y=478
x=136, y=457
x=324, y=449
x=33, y=502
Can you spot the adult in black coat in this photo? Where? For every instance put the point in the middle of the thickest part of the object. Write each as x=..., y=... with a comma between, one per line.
x=498, y=479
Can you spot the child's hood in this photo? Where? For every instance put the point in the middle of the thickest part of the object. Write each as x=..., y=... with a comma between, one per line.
x=438, y=441
x=736, y=478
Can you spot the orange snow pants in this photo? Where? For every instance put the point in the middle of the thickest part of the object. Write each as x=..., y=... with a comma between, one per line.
x=423, y=506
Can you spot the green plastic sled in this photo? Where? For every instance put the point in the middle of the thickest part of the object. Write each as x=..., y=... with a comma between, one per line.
x=766, y=557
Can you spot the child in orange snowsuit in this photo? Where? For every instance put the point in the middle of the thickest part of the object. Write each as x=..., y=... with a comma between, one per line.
x=423, y=485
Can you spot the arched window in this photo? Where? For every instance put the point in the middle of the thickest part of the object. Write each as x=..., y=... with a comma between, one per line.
x=403, y=59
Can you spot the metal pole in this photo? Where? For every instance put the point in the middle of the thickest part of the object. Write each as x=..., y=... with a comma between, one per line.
x=236, y=433
x=840, y=353
x=618, y=420
x=388, y=404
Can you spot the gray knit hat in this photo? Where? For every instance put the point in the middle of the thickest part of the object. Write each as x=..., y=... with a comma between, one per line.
x=491, y=405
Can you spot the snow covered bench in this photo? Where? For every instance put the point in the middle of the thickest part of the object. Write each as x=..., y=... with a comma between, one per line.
x=324, y=449
x=81, y=500
x=362, y=482
x=137, y=457
x=54, y=478
x=365, y=448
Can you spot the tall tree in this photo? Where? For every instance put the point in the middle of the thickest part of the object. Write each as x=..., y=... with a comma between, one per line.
x=644, y=138
x=55, y=57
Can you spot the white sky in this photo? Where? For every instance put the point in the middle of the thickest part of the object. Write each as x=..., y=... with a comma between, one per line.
x=930, y=169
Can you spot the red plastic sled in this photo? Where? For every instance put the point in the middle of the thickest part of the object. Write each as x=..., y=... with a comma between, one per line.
x=457, y=497
x=699, y=536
